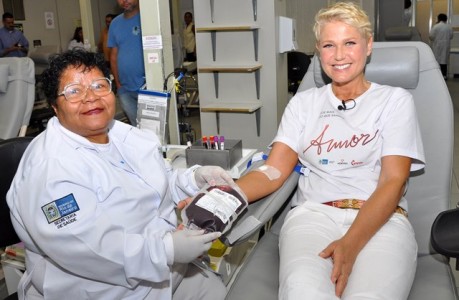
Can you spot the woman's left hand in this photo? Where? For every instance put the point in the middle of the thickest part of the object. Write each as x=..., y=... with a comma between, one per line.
x=343, y=256
x=183, y=203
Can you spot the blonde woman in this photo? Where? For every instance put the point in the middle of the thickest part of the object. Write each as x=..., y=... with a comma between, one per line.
x=347, y=235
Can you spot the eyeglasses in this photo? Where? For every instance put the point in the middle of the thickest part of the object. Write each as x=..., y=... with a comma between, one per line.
x=75, y=92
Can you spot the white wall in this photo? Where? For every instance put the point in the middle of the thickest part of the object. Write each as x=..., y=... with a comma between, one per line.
x=100, y=8
x=66, y=17
x=66, y=14
x=303, y=11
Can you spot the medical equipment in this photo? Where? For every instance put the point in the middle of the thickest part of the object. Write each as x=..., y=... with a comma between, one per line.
x=215, y=208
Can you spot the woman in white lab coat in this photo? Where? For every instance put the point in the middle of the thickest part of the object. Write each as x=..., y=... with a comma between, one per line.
x=95, y=203
x=441, y=35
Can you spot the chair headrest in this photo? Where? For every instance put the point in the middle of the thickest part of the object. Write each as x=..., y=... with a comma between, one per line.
x=395, y=66
x=401, y=33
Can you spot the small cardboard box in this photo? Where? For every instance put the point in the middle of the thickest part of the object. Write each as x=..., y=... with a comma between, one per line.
x=197, y=154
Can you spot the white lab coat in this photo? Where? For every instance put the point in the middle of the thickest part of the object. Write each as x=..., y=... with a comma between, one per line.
x=441, y=35
x=110, y=245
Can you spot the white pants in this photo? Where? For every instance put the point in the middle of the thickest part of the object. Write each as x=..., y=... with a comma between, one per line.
x=384, y=269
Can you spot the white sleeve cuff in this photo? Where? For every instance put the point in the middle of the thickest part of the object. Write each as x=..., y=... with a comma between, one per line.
x=192, y=170
x=169, y=246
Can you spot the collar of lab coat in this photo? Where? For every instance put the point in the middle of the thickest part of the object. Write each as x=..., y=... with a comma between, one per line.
x=125, y=137
x=117, y=130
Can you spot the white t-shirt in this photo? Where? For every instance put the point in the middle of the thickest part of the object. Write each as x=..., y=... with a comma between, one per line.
x=343, y=148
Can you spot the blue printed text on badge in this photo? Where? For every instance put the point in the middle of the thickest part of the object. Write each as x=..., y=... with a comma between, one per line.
x=60, y=208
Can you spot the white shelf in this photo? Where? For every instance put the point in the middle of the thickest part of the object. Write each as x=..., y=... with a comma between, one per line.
x=227, y=28
x=234, y=107
x=216, y=69
x=226, y=106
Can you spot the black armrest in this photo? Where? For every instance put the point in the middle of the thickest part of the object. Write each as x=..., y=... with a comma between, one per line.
x=445, y=233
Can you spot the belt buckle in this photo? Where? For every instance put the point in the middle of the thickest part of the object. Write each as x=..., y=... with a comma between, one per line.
x=350, y=203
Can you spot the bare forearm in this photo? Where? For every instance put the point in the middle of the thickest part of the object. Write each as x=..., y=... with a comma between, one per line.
x=374, y=214
x=256, y=185
x=378, y=209
x=280, y=163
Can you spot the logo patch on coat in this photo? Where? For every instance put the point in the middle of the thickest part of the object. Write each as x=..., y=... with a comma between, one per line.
x=63, y=208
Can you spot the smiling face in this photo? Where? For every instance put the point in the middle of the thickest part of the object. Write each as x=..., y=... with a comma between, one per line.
x=343, y=52
x=91, y=116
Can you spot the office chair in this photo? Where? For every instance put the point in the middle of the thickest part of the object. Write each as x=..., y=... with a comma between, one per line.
x=11, y=151
x=17, y=95
x=297, y=65
x=410, y=65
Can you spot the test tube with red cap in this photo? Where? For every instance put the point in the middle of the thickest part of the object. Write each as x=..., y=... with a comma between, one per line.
x=204, y=142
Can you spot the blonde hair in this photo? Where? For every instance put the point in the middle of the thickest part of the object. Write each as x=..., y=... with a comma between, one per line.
x=346, y=12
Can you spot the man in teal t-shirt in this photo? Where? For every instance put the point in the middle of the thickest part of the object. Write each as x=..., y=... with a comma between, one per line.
x=126, y=56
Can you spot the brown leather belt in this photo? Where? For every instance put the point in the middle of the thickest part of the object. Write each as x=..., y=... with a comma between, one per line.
x=357, y=204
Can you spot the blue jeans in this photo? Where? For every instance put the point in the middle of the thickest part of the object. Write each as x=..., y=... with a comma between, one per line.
x=128, y=101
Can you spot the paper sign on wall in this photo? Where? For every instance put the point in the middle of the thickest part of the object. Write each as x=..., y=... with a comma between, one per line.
x=152, y=42
x=49, y=20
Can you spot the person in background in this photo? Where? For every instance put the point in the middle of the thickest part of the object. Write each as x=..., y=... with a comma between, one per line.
x=94, y=201
x=189, y=38
x=12, y=42
x=77, y=41
x=103, y=39
x=126, y=56
x=407, y=13
x=441, y=35
x=347, y=235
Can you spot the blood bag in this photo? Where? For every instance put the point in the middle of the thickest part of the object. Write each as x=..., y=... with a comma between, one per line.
x=214, y=208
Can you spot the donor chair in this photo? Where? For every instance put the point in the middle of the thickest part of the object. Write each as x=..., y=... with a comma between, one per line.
x=17, y=95
x=11, y=151
x=410, y=65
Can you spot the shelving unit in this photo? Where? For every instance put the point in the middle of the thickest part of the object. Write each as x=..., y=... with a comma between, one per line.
x=213, y=32
x=234, y=40
x=254, y=5
x=234, y=107
x=217, y=69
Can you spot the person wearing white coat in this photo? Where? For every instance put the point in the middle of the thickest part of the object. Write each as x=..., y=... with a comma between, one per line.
x=94, y=202
x=441, y=35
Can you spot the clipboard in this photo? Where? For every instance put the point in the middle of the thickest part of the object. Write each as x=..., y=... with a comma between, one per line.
x=152, y=112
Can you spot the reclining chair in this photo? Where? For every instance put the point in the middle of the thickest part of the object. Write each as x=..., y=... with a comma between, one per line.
x=17, y=95
x=11, y=151
x=410, y=65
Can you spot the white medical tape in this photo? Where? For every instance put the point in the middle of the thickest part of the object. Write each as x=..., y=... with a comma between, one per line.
x=271, y=172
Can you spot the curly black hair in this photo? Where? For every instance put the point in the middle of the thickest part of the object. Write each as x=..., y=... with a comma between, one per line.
x=58, y=63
